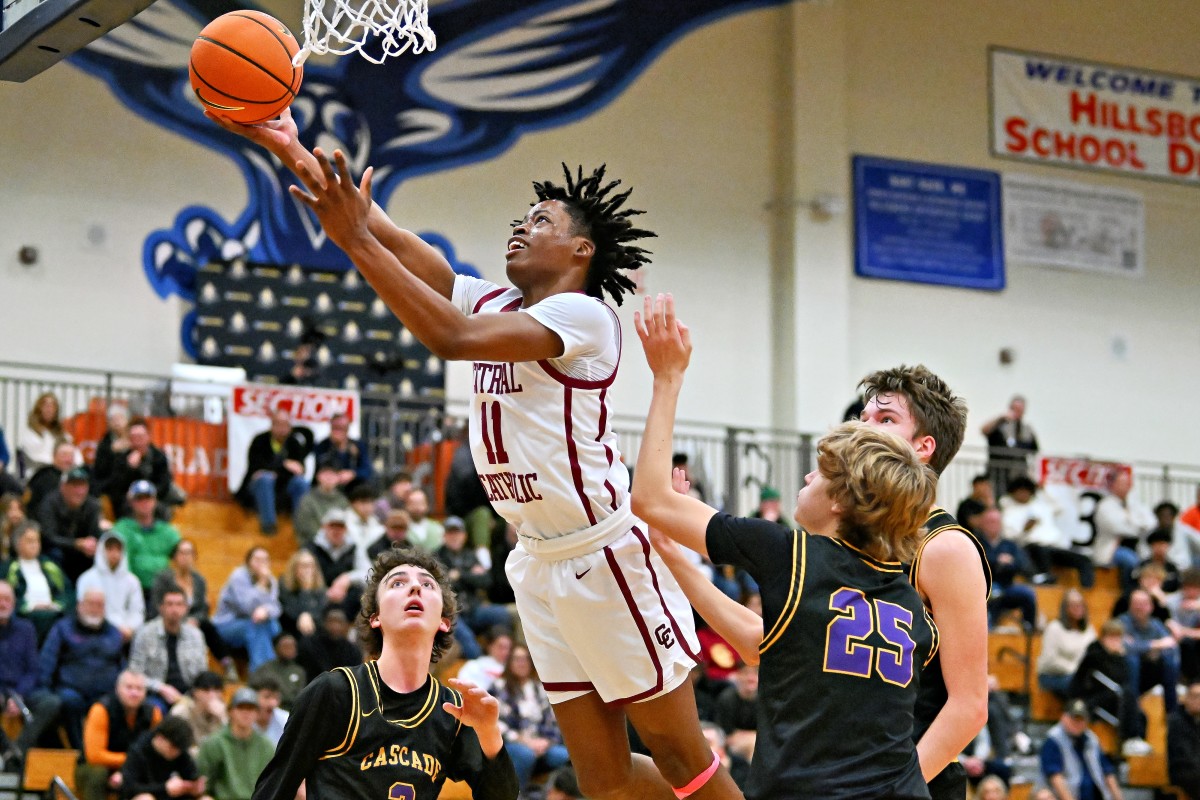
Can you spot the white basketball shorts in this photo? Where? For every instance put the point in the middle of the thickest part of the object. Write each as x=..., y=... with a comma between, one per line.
x=612, y=621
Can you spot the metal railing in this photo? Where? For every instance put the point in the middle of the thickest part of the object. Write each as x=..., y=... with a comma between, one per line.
x=731, y=463
x=398, y=431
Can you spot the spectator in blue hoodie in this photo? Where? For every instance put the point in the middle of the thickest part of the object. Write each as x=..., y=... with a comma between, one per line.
x=80, y=661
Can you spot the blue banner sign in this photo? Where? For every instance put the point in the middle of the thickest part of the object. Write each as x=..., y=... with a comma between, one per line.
x=927, y=223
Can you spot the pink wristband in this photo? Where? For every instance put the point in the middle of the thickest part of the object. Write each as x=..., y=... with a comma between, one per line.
x=701, y=779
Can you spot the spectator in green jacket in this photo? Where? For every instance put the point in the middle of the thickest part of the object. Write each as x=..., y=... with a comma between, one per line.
x=148, y=540
x=325, y=495
x=233, y=757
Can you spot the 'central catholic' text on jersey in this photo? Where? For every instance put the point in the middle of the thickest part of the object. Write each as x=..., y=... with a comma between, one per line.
x=844, y=639
x=541, y=431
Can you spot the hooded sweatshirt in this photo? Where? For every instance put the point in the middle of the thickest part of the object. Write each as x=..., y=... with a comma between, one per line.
x=124, y=603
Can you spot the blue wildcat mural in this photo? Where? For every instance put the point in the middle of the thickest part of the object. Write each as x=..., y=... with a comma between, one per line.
x=502, y=68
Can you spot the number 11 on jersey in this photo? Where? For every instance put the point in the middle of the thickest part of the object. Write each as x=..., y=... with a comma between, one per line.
x=493, y=438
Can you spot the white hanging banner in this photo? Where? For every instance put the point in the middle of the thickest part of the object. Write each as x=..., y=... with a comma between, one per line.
x=1074, y=486
x=1062, y=111
x=250, y=412
x=1074, y=225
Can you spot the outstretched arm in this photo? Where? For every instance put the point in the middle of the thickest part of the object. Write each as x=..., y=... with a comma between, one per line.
x=739, y=626
x=952, y=579
x=343, y=210
x=668, y=347
x=281, y=138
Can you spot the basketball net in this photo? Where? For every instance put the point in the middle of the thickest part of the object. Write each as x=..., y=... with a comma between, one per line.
x=344, y=26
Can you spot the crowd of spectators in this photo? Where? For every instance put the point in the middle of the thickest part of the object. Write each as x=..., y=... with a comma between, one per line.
x=110, y=643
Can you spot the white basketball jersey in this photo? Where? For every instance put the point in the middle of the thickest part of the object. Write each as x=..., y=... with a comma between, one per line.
x=541, y=431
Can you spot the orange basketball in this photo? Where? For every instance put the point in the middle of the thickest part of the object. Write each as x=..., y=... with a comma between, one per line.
x=241, y=66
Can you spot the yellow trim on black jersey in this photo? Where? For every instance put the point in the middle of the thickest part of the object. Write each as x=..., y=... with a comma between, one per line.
x=914, y=572
x=355, y=717
x=794, y=591
x=456, y=696
x=426, y=709
x=870, y=560
x=937, y=636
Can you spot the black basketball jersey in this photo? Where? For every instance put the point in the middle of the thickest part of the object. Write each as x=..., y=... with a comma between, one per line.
x=364, y=741
x=844, y=640
x=933, y=693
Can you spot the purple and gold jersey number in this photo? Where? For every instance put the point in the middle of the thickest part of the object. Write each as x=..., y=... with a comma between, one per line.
x=846, y=649
x=402, y=791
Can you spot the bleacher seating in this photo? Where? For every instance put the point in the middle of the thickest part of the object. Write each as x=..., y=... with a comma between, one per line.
x=1151, y=770
x=1012, y=658
x=43, y=765
x=224, y=532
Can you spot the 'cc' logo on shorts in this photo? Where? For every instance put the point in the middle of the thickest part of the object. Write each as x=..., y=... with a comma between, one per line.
x=663, y=634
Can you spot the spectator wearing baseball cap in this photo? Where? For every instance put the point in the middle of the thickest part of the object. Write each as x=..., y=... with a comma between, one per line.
x=470, y=581
x=343, y=562
x=1073, y=763
x=148, y=539
x=325, y=495
x=233, y=757
x=72, y=523
x=48, y=477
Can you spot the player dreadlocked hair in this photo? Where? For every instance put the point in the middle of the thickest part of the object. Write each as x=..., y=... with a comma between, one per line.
x=597, y=214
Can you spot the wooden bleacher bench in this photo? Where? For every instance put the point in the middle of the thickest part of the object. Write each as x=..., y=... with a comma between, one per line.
x=12, y=726
x=42, y=765
x=1100, y=602
x=1020, y=791
x=1009, y=659
x=1151, y=770
x=1044, y=706
x=224, y=532
x=1106, y=578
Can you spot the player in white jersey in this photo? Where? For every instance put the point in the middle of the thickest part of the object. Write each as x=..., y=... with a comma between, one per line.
x=608, y=627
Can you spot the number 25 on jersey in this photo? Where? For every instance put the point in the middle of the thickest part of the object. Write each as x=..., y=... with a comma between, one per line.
x=846, y=649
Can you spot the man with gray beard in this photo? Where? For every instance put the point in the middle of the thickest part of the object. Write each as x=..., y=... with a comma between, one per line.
x=80, y=661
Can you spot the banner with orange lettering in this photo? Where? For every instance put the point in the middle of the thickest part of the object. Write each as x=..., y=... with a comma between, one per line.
x=252, y=404
x=1055, y=110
